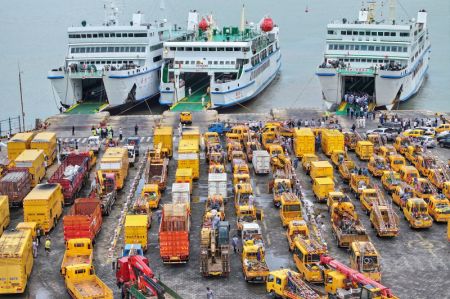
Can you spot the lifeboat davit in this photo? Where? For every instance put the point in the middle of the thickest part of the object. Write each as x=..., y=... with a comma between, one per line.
x=203, y=25
x=267, y=24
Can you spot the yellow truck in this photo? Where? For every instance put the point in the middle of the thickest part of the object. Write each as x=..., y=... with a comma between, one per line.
x=115, y=160
x=321, y=188
x=136, y=230
x=335, y=197
x=191, y=133
x=304, y=142
x=152, y=194
x=34, y=161
x=321, y=169
x=78, y=251
x=186, y=118
x=307, y=254
x=16, y=261
x=408, y=174
x=396, y=162
x=423, y=188
x=82, y=283
x=338, y=157
x=296, y=229
x=439, y=208
x=345, y=169
x=364, y=150
x=44, y=205
x=378, y=165
x=187, y=146
x=390, y=180
x=291, y=208
x=280, y=186
x=18, y=143
x=401, y=144
x=424, y=163
x=367, y=198
x=45, y=141
x=332, y=140
x=365, y=259
x=4, y=213
x=254, y=264
x=306, y=161
x=359, y=182
x=192, y=161
x=164, y=135
x=402, y=193
x=416, y=213
x=288, y=284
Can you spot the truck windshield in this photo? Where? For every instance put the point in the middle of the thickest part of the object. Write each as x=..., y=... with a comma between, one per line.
x=291, y=208
x=312, y=258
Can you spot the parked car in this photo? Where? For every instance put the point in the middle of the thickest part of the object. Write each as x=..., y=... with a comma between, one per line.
x=442, y=135
x=428, y=141
x=390, y=133
x=427, y=131
x=392, y=124
x=445, y=142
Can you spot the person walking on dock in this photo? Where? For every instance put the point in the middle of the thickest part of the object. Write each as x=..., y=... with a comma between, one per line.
x=120, y=134
x=190, y=91
x=203, y=101
x=38, y=236
x=35, y=248
x=48, y=245
x=209, y=293
x=234, y=242
x=73, y=130
x=136, y=129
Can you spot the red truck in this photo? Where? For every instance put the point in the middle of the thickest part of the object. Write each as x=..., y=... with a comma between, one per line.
x=84, y=219
x=72, y=174
x=16, y=184
x=174, y=234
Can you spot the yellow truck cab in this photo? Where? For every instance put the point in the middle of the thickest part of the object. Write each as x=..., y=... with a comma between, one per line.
x=365, y=259
x=423, y=188
x=241, y=178
x=82, y=283
x=335, y=197
x=322, y=187
x=152, y=194
x=306, y=161
x=359, y=182
x=338, y=156
x=401, y=194
x=401, y=144
x=396, y=162
x=186, y=118
x=439, y=208
x=239, y=130
x=164, y=135
x=346, y=168
x=364, y=150
x=387, y=150
x=442, y=128
x=78, y=251
x=416, y=213
x=378, y=165
x=285, y=283
x=307, y=254
x=412, y=152
x=291, y=208
x=280, y=186
x=368, y=197
x=296, y=229
x=390, y=180
x=413, y=133
x=254, y=265
x=408, y=174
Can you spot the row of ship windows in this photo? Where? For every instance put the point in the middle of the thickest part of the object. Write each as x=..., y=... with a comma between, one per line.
x=106, y=62
x=110, y=34
x=221, y=62
x=210, y=49
x=113, y=49
x=369, y=33
x=370, y=60
x=367, y=48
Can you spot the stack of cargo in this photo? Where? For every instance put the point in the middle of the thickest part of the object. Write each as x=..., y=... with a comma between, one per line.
x=164, y=135
x=15, y=184
x=44, y=205
x=332, y=140
x=46, y=141
x=84, y=219
x=115, y=160
x=158, y=165
x=34, y=161
x=4, y=213
x=188, y=156
x=18, y=143
x=181, y=194
x=16, y=261
x=304, y=142
x=174, y=233
x=136, y=230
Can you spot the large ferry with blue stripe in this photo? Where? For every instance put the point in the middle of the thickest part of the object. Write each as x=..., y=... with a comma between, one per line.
x=385, y=61
x=216, y=67
x=112, y=66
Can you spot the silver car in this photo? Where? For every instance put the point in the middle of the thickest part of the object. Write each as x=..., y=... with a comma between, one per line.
x=428, y=141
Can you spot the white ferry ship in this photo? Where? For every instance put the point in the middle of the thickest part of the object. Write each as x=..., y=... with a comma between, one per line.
x=385, y=60
x=111, y=66
x=215, y=67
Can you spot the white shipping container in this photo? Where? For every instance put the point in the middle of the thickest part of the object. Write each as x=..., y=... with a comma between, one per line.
x=217, y=184
x=110, y=165
x=261, y=162
x=181, y=193
x=24, y=164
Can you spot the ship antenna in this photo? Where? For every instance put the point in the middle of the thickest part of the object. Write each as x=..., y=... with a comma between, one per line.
x=111, y=13
x=162, y=8
x=392, y=11
x=242, y=18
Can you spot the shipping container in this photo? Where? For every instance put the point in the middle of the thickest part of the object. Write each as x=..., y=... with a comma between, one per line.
x=84, y=219
x=72, y=174
x=304, y=142
x=34, y=161
x=30, y=226
x=18, y=143
x=16, y=184
x=217, y=185
x=16, y=261
x=321, y=169
x=44, y=205
x=186, y=146
x=46, y=141
x=4, y=213
x=191, y=133
x=192, y=161
x=261, y=162
x=181, y=194
x=332, y=140
x=164, y=135
x=115, y=160
x=136, y=230
x=364, y=149
x=184, y=175
x=174, y=234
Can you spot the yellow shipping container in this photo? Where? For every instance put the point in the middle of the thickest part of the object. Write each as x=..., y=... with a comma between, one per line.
x=304, y=142
x=18, y=143
x=192, y=161
x=184, y=175
x=191, y=133
x=31, y=226
x=136, y=230
x=16, y=261
x=46, y=141
x=4, y=213
x=332, y=140
x=321, y=169
x=115, y=160
x=44, y=205
x=34, y=160
x=364, y=149
x=188, y=146
x=164, y=135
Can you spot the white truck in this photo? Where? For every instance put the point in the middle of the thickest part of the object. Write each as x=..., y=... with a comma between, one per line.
x=94, y=144
x=131, y=154
x=217, y=185
x=261, y=162
x=181, y=194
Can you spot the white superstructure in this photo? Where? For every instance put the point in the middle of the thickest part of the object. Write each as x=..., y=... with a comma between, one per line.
x=226, y=65
x=113, y=64
x=387, y=60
